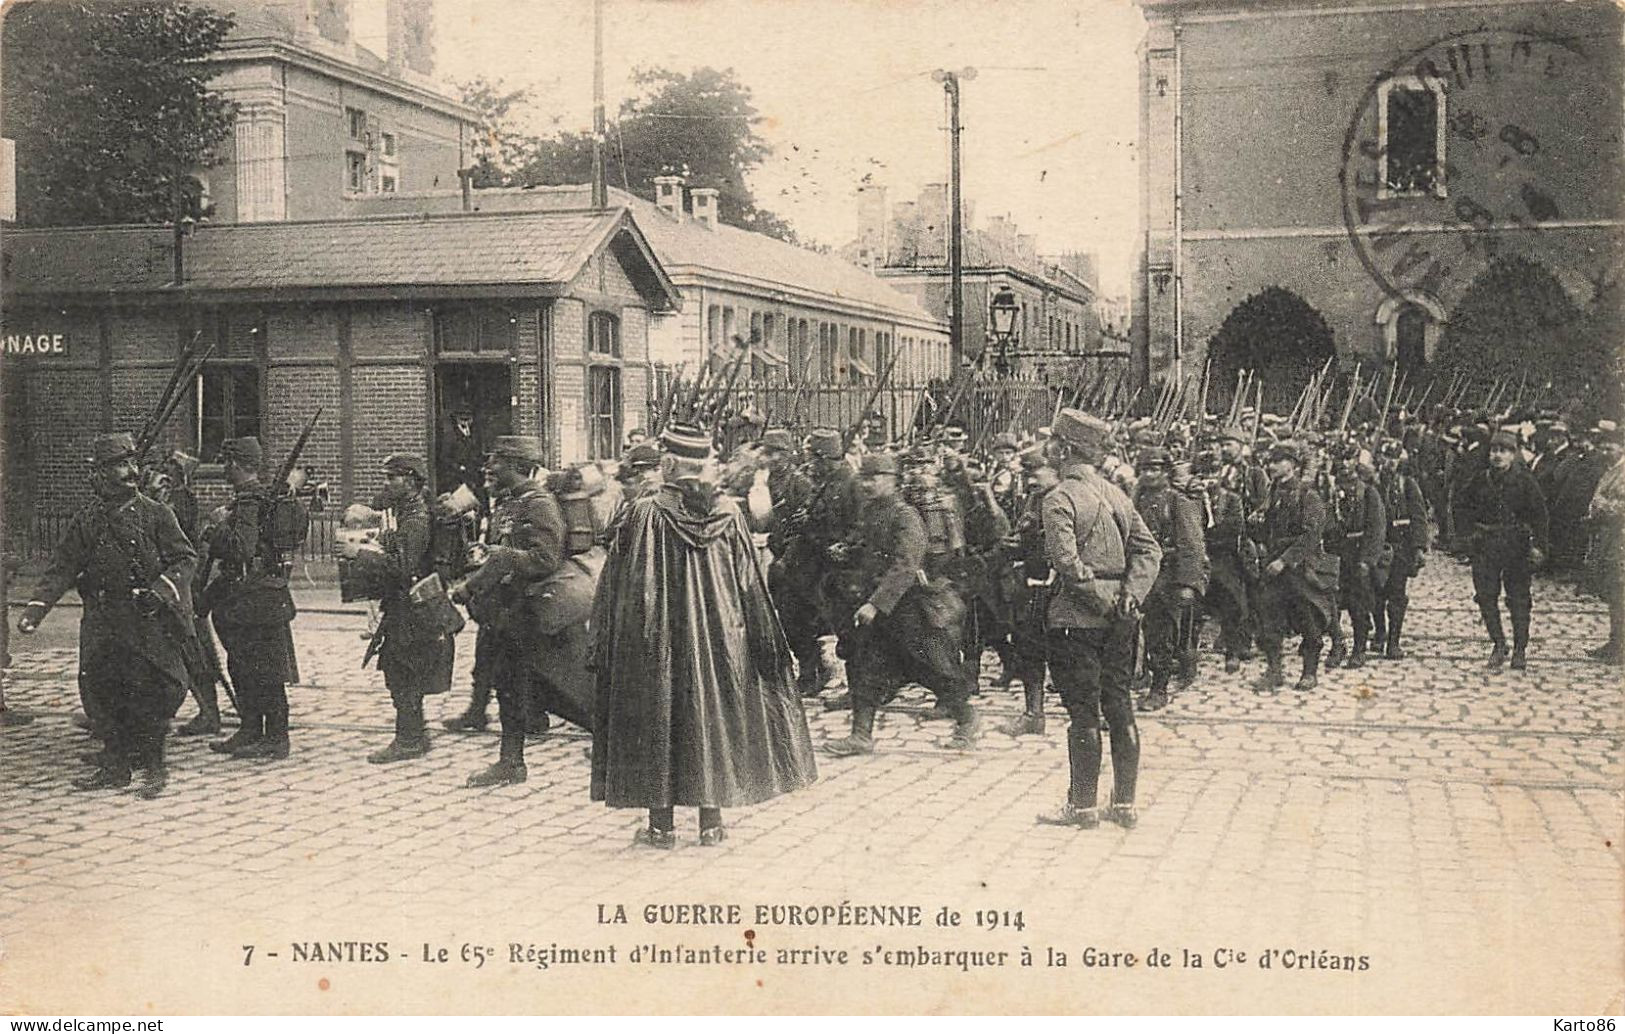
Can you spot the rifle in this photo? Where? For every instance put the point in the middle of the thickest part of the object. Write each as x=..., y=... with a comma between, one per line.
x=946, y=413
x=670, y=403
x=717, y=397
x=281, y=482
x=185, y=372
x=869, y=403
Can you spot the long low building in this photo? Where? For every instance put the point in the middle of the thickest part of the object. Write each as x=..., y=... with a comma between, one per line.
x=537, y=322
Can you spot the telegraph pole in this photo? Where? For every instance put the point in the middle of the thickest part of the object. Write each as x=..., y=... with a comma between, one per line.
x=956, y=274
x=600, y=188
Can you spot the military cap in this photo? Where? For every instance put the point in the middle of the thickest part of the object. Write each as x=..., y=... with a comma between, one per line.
x=1504, y=439
x=953, y=434
x=778, y=438
x=1286, y=449
x=879, y=463
x=1033, y=459
x=1233, y=433
x=184, y=461
x=641, y=457
x=245, y=452
x=1155, y=456
x=1004, y=440
x=826, y=442
x=109, y=448
x=1146, y=436
x=526, y=448
x=1076, y=427
x=686, y=441
x=407, y=464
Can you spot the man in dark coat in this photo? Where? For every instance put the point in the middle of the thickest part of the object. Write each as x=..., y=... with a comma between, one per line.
x=793, y=582
x=1358, y=528
x=1298, y=591
x=251, y=607
x=524, y=546
x=1405, y=506
x=1034, y=579
x=416, y=640
x=460, y=456
x=1176, y=522
x=1230, y=578
x=1506, y=516
x=133, y=568
x=696, y=701
x=1105, y=562
x=900, y=625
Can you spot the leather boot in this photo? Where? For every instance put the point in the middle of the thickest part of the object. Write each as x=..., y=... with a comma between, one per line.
x=113, y=776
x=274, y=745
x=1311, y=665
x=1396, y=622
x=1274, y=674
x=251, y=723
x=510, y=767
x=1520, y=640
x=1357, y=658
x=207, y=720
x=155, y=775
x=1157, y=699
x=411, y=740
x=1339, y=650
x=1379, y=628
x=862, y=738
x=1083, y=752
x=473, y=718
x=1125, y=775
x=1031, y=722
x=967, y=729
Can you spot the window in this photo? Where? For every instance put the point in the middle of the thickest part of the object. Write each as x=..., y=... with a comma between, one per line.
x=357, y=120
x=713, y=326
x=827, y=362
x=475, y=330
x=604, y=412
x=1411, y=136
x=387, y=144
x=229, y=407
x=604, y=334
x=355, y=172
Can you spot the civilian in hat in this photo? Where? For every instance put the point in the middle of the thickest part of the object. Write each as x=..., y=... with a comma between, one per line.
x=416, y=639
x=1177, y=522
x=897, y=626
x=1507, y=518
x=251, y=607
x=695, y=703
x=1298, y=587
x=518, y=653
x=1105, y=561
x=133, y=568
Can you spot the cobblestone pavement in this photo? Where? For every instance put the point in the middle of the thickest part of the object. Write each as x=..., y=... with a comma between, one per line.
x=1460, y=828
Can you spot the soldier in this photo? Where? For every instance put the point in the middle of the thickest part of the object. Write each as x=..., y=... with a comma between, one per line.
x=1606, y=558
x=1230, y=578
x=1005, y=475
x=1105, y=562
x=1358, y=529
x=904, y=627
x=251, y=606
x=639, y=473
x=1298, y=591
x=173, y=488
x=831, y=511
x=133, y=568
x=524, y=545
x=1405, y=505
x=1033, y=582
x=980, y=571
x=1504, y=510
x=794, y=587
x=1176, y=522
x=415, y=643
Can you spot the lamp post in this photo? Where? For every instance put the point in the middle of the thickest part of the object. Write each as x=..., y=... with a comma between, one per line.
x=1003, y=311
x=950, y=81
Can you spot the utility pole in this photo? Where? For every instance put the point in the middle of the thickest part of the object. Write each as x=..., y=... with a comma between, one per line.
x=956, y=305
x=600, y=188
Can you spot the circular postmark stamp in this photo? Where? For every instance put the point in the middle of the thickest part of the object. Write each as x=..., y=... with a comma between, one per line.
x=1461, y=149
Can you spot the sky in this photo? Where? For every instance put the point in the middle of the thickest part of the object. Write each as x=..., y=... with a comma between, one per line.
x=845, y=89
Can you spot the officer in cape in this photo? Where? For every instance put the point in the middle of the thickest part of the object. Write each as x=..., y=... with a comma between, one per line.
x=133, y=567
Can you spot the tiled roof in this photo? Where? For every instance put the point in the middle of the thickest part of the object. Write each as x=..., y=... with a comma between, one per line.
x=519, y=248
x=686, y=247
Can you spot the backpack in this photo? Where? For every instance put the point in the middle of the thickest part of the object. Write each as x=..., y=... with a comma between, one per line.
x=286, y=524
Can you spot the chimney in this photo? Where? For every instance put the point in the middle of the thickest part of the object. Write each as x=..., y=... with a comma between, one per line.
x=669, y=195
x=703, y=200
x=410, y=36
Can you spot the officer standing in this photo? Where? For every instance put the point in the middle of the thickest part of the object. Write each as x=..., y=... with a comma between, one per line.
x=1506, y=516
x=1176, y=522
x=1405, y=506
x=1298, y=592
x=251, y=606
x=904, y=627
x=133, y=568
x=1105, y=561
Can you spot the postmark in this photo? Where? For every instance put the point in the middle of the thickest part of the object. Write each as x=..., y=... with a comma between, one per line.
x=1452, y=156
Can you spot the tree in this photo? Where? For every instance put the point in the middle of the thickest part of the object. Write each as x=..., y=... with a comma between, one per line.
x=1515, y=322
x=499, y=149
x=110, y=108
x=700, y=126
x=1276, y=333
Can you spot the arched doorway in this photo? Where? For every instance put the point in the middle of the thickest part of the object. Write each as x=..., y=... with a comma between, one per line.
x=1410, y=329
x=1410, y=343
x=1280, y=337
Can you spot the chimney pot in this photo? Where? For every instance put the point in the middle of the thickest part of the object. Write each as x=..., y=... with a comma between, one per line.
x=703, y=200
x=669, y=195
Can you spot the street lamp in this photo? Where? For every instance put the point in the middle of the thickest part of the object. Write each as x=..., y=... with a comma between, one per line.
x=1003, y=312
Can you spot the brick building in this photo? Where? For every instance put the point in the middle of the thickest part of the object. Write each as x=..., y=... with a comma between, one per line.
x=1398, y=146
x=537, y=321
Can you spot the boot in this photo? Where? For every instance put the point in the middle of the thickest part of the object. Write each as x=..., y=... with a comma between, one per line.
x=411, y=739
x=274, y=745
x=1498, y=655
x=473, y=718
x=1083, y=752
x=112, y=777
x=808, y=682
x=1031, y=722
x=207, y=720
x=1520, y=640
x=1157, y=699
x=1125, y=775
x=250, y=730
x=1379, y=629
x=155, y=774
x=1274, y=675
x=1357, y=658
x=510, y=766
x=862, y=738
x=1311, y=665
x=967, y=730
x=1339, y=651
x=1396, y=621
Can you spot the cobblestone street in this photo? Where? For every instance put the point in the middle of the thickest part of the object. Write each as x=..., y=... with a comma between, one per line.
x=1460, y=828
